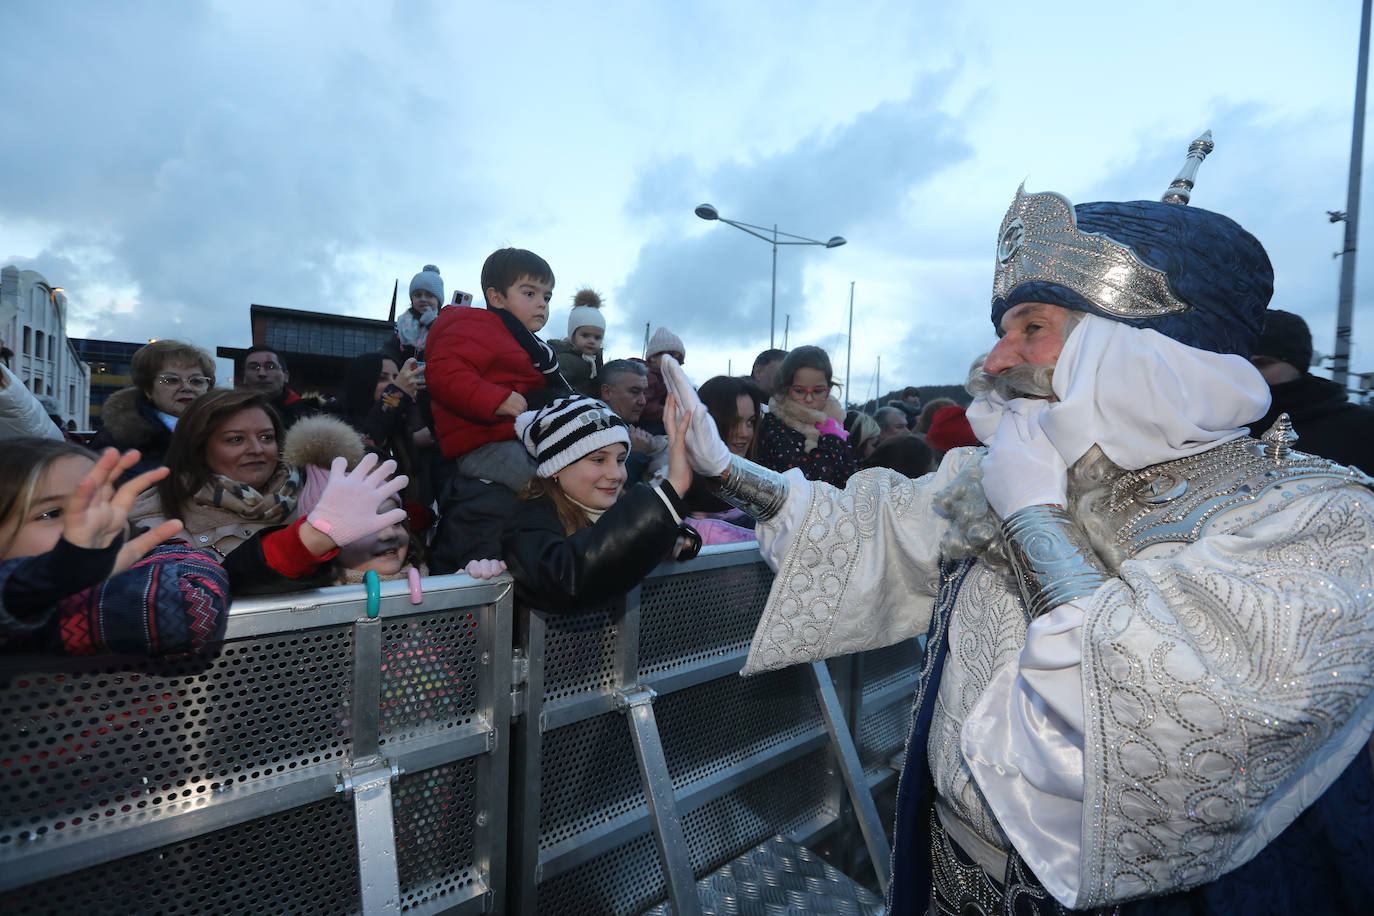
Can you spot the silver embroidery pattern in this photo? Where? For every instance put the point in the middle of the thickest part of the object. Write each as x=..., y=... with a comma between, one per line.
x=1206, y=687
x=1040, y=241
x=803, y=621
x=1174, y=502
x=986, y=631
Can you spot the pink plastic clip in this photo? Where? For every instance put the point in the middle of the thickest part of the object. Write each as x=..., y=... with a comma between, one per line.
x=416, y=593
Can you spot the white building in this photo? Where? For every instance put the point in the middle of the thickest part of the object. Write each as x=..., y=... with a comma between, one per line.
x=33, y=323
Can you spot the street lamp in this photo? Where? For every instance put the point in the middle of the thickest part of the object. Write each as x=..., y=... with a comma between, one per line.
x=776, y=238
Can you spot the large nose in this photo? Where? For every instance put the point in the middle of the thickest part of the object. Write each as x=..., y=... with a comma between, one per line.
x=1003, y=356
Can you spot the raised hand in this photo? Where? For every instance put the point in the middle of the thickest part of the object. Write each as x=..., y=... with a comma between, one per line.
x=706, y=451
x=679, y=468
x=347, y=509
x=94, y=515
x=410, y=378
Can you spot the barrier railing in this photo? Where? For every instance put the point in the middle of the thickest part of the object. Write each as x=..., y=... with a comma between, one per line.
x=457, y=756
x=321, y=762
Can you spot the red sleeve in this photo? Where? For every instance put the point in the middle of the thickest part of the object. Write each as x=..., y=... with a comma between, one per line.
x=284, y=552
x=454, y=373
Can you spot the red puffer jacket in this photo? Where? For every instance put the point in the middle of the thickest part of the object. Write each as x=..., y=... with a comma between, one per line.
x=473, y=365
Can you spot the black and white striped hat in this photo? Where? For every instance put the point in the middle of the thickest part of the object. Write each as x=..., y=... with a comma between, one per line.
x=568, y=430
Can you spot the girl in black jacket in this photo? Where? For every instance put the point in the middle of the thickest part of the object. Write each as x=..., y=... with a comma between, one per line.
x=580, y=539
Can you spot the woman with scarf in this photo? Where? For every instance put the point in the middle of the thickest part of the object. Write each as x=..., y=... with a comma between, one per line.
x=238, y=499
x=802, y=428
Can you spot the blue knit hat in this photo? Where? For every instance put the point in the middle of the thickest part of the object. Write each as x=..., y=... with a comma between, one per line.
x=429, y=279
x=1190, y=274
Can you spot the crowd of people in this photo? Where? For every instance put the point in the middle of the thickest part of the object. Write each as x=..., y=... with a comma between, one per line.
x=1149, y=633
x=468, y=444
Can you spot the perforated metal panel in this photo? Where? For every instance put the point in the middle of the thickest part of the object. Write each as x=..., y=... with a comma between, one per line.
x=882, y=734
x=434, y=812
x=589, y=776
x=298, y=861
x=891, y=665
x=712, y=727
x=785, y=801
x=579, y=654
x=625, y=880
x=121, y=743
x=694, y=616
x=429, y=673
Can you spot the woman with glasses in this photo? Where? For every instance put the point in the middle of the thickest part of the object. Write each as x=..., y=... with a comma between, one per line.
x=168, y=376
x=803, y=427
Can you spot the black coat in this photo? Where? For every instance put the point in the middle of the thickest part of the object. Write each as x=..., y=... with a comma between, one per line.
x=583, y=571
x=1327, y=424
x=129, y=420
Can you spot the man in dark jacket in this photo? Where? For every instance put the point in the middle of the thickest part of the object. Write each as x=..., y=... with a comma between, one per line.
x=1327, y=424
x=264, y=370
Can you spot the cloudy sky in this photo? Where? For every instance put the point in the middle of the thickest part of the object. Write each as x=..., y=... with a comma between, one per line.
x=171, y=163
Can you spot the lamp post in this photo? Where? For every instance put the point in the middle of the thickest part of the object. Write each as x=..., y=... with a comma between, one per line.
x=775, y=238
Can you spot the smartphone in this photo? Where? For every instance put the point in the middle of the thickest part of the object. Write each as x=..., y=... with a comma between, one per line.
x=461, y=298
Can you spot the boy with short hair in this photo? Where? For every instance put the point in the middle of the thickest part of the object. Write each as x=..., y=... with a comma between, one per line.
x=483, y=367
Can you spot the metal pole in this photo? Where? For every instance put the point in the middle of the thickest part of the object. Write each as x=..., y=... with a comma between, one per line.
x=849, y=345
x=877, y=385
x=786, y=328
x=645, y=354
x=1340, y=363
x=773, y=304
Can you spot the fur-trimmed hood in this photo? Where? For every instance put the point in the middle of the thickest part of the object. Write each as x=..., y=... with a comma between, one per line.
x=803, y=419
x=131, y=421
x=317, y=441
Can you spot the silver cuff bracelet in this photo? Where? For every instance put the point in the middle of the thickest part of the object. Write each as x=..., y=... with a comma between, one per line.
x=1051, y=557
x=752, y=488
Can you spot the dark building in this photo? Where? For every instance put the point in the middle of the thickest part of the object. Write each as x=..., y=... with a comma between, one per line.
x=109, y=362
x=315, y=345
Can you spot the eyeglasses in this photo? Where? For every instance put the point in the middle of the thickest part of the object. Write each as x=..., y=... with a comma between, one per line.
x=801, y=394
x=194, y=382
x=268, y=366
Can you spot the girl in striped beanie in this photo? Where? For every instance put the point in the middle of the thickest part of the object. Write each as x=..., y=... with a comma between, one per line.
x=580, y=538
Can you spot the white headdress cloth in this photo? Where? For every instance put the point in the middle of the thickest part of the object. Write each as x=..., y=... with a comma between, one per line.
x=1143, y=397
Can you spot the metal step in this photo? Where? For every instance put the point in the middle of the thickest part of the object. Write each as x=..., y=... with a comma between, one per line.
x=780, y=877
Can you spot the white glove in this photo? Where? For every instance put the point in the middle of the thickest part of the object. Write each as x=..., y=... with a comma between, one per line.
x=1022, y=467
x=706, y=452
x=347, y=509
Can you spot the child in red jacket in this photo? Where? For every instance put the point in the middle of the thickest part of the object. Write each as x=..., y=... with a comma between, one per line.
x=483, y=367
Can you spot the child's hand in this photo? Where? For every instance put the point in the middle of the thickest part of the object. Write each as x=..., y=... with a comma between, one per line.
x=679, y=470
x=513, y=406
x=410, y=378
x=95, y=514
x=485, y=569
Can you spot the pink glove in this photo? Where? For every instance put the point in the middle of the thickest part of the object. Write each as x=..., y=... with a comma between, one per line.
x=832, y=427
x=347, y=509
x=485, y=569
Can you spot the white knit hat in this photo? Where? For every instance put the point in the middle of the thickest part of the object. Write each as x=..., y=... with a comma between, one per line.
x=569, y=430
x=586, y=312
x=665, y=341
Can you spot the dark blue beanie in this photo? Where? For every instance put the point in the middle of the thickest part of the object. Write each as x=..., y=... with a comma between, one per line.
x=1216, y=268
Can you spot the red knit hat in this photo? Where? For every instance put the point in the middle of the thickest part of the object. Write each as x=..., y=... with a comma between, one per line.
x=950, y=429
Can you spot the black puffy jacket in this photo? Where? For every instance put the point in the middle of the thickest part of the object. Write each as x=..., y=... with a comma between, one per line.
x=566, y=573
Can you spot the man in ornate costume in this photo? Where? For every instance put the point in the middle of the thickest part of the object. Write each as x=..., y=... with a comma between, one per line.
x=1150, y=638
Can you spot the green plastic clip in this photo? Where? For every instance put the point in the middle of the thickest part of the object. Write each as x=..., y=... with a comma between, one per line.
x=374, y=593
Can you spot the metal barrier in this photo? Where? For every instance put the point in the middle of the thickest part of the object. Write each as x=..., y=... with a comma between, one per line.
x=321, y=762
x=646, y=761
x=424, y=761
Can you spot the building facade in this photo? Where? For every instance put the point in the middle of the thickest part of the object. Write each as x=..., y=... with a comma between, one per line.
x=33, y=326
x=109, y=362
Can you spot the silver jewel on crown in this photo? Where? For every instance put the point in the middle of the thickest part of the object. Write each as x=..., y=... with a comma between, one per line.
x=1040, y=241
